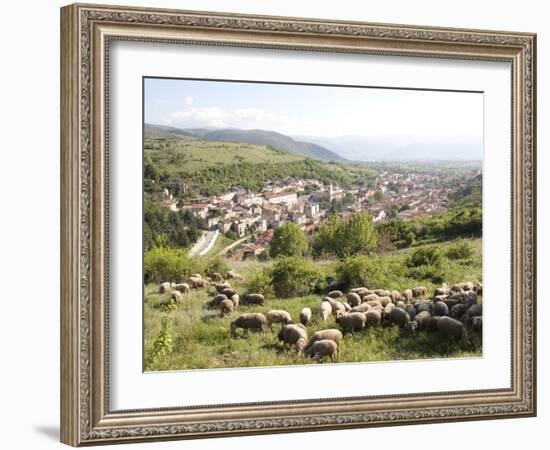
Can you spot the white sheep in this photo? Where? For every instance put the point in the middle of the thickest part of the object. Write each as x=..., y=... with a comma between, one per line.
x=305, y=316
x=277, y=316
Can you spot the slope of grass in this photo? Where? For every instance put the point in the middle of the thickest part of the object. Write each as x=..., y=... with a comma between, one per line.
x=188, y=155
x=202, y=339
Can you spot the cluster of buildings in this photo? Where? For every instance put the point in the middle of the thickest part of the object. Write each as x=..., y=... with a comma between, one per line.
x=305, y=202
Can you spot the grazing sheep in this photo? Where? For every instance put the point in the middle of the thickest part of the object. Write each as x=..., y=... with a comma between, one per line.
x=407, y=295
x=254, y=299
x=335, y=294
x=451, y=302
x=229, y=292
x=389, y=307
x=411, y=311
x=235, y=300
x=385, y=301
x=325, y=310
x=419, y=291
x=440, y=298
x=458, y=310
x=440, y=309
x=472, y=311
x=432, y=326
x=374, y=304
x=335, y=305
x=176, y=297
x=221, y=286
x=423, y=320
x=182, y=287
x=478, y=289
x=452, y=328
x=440, y=291
x=395, y=296
x=401, y=304
x=197, y=283
x=347, y=307
x=399, y=317
x=382, y=292
x=226, y=307
x=250, y=321
x=331, y=333
x=165, y=287
x=363, y=307
x=370, y=298
x=423, y=306
x=361, y=291
x=373, y=318
x=353, y=299
x=216, y=277
x=277, y=316
x=477, y=323
x=234, y=275
x=352, y=321
x=322, y=348
x=305, y=316
x=293, y=335
x=470, y=298
x=216, y=301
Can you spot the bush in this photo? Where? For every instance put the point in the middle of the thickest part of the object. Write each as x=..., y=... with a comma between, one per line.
x=460, y=250
x=294, y=277
x=216, y=265
x=166, y=264
x=260, y=283
x=370, y=271
x=425, y=256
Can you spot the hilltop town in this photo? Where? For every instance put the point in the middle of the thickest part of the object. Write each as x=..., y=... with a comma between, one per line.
x=250, y=218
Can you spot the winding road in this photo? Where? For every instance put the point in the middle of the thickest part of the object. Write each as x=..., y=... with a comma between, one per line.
x=204, y=243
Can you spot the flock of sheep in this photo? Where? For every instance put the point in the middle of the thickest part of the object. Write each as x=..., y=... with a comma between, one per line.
x=450, y=311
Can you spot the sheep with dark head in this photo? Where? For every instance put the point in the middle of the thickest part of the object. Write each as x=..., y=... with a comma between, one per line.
x=249, y=321
x=322, y=348
x=293, y=335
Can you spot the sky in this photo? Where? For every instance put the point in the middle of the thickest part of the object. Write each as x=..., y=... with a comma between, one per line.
x=323, y=111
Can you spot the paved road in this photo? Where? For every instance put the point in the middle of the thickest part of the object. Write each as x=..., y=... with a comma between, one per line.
x=204, y=243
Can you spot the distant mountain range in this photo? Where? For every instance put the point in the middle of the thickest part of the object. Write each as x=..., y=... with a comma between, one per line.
x=361, y=148
x=258, y=137
x=343, y=148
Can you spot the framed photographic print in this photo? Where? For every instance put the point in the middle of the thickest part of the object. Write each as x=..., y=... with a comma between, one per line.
x=276, y=224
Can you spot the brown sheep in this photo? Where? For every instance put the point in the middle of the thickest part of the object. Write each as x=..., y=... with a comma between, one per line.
x=325, y=310
x=331, y=333
x=452, y=328
x=353, y=321
x=250, y=321
x=419, y=291
x=305, y=316
x=322, y=348
x=165, y=288
x=226, y=307
x=277, y=316
x=335, y=294
x=407, y=295
x=373, y=318
x=353, y=299
x=182, y=287
x=293, y=335
x=254, y=299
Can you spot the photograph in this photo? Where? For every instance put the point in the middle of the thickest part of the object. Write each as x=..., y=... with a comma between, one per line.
x=303, y=224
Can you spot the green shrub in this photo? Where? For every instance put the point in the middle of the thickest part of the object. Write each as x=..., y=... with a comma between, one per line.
x=216, y=265
x=460, y=250
x=371, y=271
x=162, y=344
x=260, y=282
x=167, y=264
x=294, y=277
x=425, y=256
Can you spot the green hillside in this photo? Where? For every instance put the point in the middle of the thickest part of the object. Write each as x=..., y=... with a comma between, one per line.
x=188, y=155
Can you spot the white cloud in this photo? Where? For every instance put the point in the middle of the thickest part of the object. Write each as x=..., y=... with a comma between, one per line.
x=216, y=117
x=188, y=101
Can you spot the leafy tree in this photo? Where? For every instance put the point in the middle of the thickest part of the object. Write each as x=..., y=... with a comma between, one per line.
x=425, y=256
x=288, y=240
x=352, y=236
x=379, y=195
x=294, y=277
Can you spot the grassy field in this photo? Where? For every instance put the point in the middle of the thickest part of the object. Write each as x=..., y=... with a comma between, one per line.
x=202, y=339
x=193, y=154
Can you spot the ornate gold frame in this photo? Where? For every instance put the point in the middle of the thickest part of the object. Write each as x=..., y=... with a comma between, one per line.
x=86, y=31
